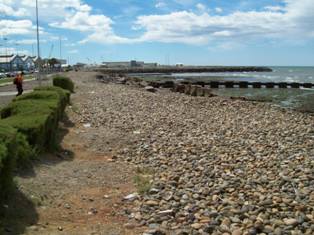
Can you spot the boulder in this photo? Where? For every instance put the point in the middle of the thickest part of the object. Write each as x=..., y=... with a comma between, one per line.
x=150, y=89
x=193, y=91
x=187, y=89
x=199, y=91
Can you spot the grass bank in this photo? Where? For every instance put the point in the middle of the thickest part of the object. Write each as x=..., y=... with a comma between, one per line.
x=29, y=125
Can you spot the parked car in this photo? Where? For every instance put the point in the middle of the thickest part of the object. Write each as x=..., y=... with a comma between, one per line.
x=2, y=75
x=26, y=72
x=11, y=74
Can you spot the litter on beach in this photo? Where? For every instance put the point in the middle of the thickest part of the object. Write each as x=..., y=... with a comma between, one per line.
x=87, y=125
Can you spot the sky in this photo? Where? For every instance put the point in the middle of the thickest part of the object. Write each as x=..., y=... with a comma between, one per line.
x=192, y=32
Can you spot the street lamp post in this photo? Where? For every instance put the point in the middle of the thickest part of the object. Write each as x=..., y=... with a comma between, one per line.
x=38, y=49
x=6, y=54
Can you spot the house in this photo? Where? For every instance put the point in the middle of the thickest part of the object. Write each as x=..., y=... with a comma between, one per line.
x=37, y=60
x=28, y=63
x=11, y=63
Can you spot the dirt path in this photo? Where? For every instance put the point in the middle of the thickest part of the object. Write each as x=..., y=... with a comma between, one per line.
x=78, y=191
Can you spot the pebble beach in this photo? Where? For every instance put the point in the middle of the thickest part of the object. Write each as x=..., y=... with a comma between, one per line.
x=216, y=165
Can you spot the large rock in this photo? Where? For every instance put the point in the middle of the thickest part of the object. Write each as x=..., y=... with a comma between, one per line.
x=193, y=91
x=199, y=91
x=187, y=89
x=150, y=89
x=179, y=88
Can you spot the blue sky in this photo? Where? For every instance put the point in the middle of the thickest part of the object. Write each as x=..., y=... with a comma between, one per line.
x=204, y=32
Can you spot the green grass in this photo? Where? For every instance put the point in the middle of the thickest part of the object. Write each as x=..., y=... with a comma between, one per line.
x=143, y=180
x=28, y=125
x=64, y=94
x=143, y=183
x=36, y=115
x=64, y=82
x=7, y=159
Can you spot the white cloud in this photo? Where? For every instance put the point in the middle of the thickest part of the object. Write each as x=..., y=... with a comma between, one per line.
x=71, y=44
x=201, y=7
x=218, y=10
x=74, y=51
x=66, y=14
x=28, y=41
x=292, y=20
x=273, y=8
x=224, y=33
x=15, y=27
x=13, y=50
x=160, y=5
x=10, y=11
x=97, y=26
x=83, y=21
x=295, y=20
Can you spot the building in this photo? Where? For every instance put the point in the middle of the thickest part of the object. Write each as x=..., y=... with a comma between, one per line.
x=116, y=64
x=134, y=63
x=37, y=60
x=130, y=64
x=11, y=63
x=28, y=63
x=150, y=65
x=62, y=62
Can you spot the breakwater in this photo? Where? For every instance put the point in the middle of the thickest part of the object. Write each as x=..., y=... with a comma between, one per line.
x=192, y=69
x=232, y=84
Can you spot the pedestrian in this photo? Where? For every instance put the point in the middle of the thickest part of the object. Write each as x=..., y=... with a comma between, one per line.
x=18, y=81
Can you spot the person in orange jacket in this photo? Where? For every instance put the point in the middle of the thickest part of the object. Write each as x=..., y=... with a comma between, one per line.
x=18, y=81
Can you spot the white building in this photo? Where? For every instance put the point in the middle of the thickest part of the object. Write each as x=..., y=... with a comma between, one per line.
x=129, y=64
x=29, y=63
x=122, y=64
x=11, y=63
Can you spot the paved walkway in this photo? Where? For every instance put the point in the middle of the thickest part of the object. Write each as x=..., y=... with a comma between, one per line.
x=11, y=93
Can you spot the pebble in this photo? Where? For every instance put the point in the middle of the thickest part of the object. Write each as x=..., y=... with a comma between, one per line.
x=131, y=197
x=237, y=232
x=246, y=164
x=151, y=203
x=291, y=221
x=129, y=226
x=197, y=226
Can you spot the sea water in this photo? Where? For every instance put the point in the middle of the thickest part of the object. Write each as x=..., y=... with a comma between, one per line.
x=302, y=99
x=279, y=74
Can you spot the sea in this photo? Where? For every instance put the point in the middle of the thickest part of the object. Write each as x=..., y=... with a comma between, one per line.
x=301, y=99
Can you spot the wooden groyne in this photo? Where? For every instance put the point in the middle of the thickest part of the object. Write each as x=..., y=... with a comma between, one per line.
x=186, y=69
x=232, y=84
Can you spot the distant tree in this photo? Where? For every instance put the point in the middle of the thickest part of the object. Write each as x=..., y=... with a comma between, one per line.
x=52, y=62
